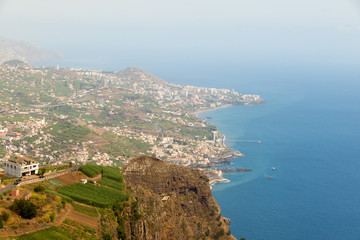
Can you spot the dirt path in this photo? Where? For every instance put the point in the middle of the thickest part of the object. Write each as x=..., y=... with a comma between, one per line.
x=74, y=177
x=68, y=178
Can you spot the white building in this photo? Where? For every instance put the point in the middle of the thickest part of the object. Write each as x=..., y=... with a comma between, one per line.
x=21, y=167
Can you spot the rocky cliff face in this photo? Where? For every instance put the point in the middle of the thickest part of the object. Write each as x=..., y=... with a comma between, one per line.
x=174, y=202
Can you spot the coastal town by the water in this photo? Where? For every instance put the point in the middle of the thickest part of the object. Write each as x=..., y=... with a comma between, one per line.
x=55, y=116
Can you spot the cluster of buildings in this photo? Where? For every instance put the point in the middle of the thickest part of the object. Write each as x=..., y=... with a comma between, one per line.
x=191, y=152
x=186, y=151
x=13, y=135
x=94, y=97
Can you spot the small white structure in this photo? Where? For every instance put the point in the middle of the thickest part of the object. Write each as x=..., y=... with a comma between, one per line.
x=214, y=135
x=21, y=167
x=42, y=122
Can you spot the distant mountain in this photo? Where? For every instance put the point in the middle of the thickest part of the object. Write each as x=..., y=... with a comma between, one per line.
x=27, y=52
x=15, y=63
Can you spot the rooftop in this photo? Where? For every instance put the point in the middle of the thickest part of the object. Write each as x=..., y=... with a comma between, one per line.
x=23, y=161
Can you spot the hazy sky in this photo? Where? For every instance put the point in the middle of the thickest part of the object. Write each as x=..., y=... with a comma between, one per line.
x=150, y=33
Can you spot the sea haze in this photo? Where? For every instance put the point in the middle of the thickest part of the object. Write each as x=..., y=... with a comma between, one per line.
x=310, y=133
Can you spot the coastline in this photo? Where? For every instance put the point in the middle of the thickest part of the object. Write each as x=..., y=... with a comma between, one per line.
x=218, y=180
x=196, y=113
x=224, y=160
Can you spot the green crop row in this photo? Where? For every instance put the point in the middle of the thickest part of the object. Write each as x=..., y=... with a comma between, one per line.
x=64, y=231
x=48, y=233
x=90, y=170
x=111, y=183
x=90, y=211
x=113, y=173
x=90, y=194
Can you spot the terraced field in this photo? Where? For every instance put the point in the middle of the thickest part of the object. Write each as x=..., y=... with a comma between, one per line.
x=93, y=195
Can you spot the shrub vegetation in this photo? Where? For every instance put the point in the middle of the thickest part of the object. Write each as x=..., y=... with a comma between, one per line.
x=39, y=188
x=5, y=215
x=24, y=208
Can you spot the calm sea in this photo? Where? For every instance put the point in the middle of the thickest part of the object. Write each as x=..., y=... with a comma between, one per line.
x=310, y=132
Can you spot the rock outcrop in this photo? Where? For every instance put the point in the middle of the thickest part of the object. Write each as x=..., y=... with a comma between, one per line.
x=174, y=202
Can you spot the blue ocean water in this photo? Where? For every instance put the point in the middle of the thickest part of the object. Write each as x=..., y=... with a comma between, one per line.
x=310, y=132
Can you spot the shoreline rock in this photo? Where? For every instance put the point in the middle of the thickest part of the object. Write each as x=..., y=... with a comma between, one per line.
x=229, y=170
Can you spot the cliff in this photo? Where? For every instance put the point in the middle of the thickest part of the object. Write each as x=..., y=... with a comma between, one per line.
x=174, y=202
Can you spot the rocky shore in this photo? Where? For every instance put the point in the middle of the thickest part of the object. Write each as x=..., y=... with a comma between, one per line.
x=229, y=170
x=216, y=175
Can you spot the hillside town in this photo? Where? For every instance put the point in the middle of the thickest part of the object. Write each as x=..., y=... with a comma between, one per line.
x=56, y=115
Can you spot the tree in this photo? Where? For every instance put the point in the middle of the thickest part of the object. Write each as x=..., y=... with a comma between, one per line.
x=24, y=208
x=5, y=215
x=52, y=216
x=219, y=233
x=106, y=236
x=39, y=188
x=41, y=171
x=1, y=223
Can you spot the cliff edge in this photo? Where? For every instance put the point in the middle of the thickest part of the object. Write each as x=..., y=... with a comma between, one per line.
x=174, y=202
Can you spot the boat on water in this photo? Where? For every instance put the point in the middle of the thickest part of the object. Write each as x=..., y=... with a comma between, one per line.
x=271, y=177
x=273, y=168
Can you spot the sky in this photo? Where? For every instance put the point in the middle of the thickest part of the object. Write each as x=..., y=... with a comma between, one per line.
x=189, y=33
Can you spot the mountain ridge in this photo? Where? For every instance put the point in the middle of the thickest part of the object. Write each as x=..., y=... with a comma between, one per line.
x=19, y=50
